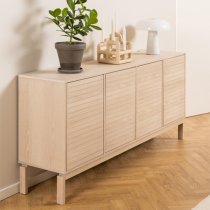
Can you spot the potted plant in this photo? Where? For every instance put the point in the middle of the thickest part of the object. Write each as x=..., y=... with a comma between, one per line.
x=74, y=22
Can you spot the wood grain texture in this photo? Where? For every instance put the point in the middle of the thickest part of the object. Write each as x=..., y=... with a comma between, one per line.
x=149, y=99
x=174, y=89
x=61, y=189
x=23, y=179
x=93, y=68
x=85, y=115
x=119, y=109
x=161, y=174
x=42, y=124
x=121, y=149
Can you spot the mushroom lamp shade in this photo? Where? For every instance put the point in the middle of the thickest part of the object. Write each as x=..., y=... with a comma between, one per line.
x=153, y=26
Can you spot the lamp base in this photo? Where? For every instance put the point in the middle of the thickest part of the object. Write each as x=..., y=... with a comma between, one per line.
x=153, y=43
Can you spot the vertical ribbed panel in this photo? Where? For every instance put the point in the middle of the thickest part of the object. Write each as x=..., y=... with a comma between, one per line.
x=174, y=89
x=120, y=109
x=84, y=121
x=149, y=99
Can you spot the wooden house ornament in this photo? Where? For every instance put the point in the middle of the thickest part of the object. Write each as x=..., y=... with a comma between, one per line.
x=114, y=51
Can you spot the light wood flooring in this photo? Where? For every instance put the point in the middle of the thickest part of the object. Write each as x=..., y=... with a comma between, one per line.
x=162, y=174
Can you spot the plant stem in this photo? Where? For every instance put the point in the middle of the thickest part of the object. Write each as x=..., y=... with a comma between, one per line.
x=70, y=35
x=70, y=42
x=63, y=30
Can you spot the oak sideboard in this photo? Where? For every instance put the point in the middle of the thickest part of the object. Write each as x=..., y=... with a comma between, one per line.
x=71, y=123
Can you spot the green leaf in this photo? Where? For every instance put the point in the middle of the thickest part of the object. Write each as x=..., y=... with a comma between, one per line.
x=76, y=38
x=68, y=21
x=82, y=33
x=60, y=18
x=51, y=13
x=70, y=14
x=66, y=27
x=96, y=27
x=71, y=4
x=95, y=12
x=64, y=12
x=76, y=26
x=57, y=12
x=83, y=1
x=55, y=21
x=72, y=21
x=80, y=17
x=89, y=29
x=92, y=19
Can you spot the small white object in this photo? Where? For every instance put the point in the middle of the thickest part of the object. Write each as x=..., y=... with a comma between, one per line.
x=153, y=43
x=116, y=21
x=102, y=31
x=124, y=38
x=153, y=26
x=113, y=28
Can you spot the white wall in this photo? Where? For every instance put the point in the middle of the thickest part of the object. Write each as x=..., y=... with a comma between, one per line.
x=27, y=44
x=193, y=37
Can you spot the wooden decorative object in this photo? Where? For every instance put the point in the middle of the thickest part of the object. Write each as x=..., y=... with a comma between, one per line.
x=111, y=51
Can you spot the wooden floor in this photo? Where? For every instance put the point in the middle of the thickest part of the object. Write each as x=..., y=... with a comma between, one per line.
x=162, y=174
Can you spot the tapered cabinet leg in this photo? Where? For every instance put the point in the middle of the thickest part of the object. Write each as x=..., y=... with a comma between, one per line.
x=23, y=179
x=61, y=189
x=180, y=132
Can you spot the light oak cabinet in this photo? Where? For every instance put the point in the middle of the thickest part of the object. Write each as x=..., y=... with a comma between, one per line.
x=70, y=123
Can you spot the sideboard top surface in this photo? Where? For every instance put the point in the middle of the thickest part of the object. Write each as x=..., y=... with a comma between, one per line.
x=93, y=68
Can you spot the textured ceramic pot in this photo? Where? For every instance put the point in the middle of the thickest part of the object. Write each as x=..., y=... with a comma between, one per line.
x=70, y=56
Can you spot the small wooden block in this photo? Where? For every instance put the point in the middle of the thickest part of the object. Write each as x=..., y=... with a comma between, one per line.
x=23, y=180
x=180, y=132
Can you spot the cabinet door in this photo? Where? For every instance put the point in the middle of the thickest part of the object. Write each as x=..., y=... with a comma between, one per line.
x=149, y=99
x=84, y=121
x=174, y=89
x=120, y=109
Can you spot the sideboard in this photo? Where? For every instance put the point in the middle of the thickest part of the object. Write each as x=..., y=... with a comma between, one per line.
x=71, y=123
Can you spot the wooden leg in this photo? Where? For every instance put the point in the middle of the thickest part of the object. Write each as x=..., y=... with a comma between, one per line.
x=180, y=132
x=23, y=180
x=61, y=189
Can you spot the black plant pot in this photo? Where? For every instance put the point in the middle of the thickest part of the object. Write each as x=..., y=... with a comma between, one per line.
x=70, y=56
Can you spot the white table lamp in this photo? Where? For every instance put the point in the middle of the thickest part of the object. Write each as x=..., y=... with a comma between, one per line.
x=153, y=26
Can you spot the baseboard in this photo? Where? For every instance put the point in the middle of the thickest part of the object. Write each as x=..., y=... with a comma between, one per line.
x=14, y=188
x=9, y=191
